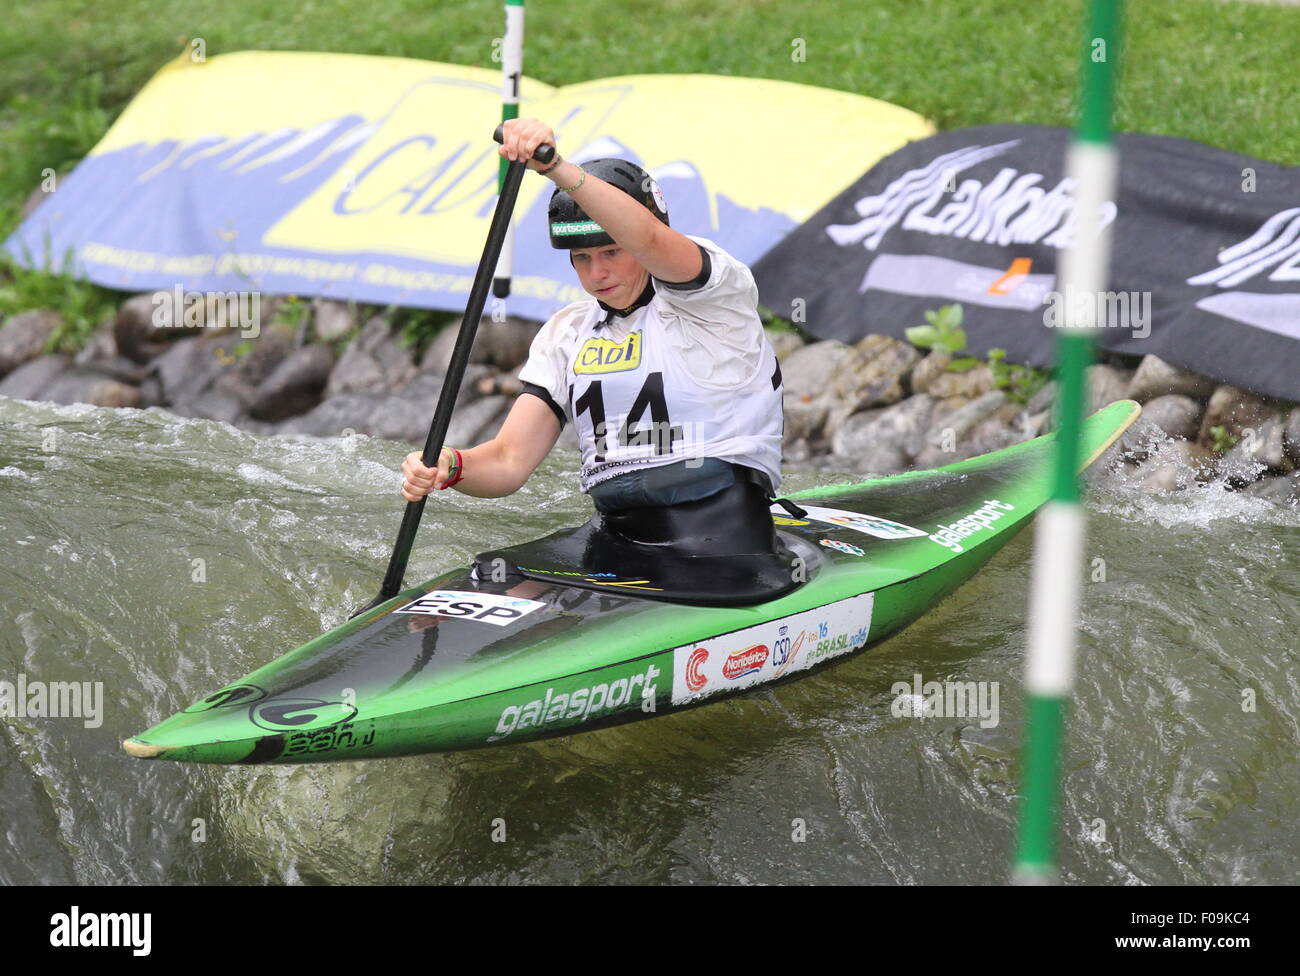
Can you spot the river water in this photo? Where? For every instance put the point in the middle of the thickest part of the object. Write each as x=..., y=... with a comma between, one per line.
x=162, y=558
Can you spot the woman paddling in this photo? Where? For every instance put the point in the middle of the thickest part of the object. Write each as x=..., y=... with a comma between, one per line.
x=666, y=373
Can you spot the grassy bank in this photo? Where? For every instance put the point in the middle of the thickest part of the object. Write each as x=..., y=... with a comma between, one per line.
x=1221, y=73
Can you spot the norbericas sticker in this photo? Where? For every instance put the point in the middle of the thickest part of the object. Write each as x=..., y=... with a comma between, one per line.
x=486, y=608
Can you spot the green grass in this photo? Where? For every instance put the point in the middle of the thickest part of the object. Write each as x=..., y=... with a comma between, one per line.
x=1221, y=73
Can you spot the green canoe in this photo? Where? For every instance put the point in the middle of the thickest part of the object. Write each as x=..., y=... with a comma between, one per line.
x=469, y=660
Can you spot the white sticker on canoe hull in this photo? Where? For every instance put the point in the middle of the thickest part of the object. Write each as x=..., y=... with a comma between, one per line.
x=769, y=651
x=869, y=524
x=485, y=608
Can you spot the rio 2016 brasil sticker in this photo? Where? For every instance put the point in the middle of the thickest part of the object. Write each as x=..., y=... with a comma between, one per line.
x=872, y=525
x=485, y=608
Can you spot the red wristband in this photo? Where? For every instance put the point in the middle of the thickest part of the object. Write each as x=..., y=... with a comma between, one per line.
x=460, y=468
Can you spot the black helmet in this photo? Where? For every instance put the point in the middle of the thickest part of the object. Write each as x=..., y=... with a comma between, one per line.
x=569, y=224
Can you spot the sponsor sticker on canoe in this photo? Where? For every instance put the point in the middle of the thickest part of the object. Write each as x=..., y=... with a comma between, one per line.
x=950, y=536
x=872, y=525
x=770, y=650
x=485, y=608
x=561, y=706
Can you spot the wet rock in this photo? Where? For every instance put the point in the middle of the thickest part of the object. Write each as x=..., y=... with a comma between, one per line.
x=955, y=426
x=1106, y=384
x=1281, y=489
x=1175, y=414
x=1260, y=447
x=1235, y=410
x=1291, y=436
x=81, y=385
x=783, y=343
x=437, y=357
x=504, y=345
x=295, y=385
x=1177, y=465
x=375, y=414
x=24, y=336
x=375, y=362
x=211, y=404
x=1156, y=378
x=189, y=366
x=29, y=380
x=885, y=439
x=478, y=421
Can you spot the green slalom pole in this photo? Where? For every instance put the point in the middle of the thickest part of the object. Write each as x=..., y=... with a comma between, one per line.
x=512, y=71
x=1060, y=526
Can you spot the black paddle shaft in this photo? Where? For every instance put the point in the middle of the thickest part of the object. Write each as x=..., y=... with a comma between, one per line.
x=456, y=368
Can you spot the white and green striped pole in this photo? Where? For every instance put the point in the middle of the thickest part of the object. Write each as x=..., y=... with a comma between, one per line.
x=1059, y=530
x=512, y=70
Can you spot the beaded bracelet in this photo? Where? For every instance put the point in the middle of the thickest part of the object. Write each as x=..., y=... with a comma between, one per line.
x=576, y=186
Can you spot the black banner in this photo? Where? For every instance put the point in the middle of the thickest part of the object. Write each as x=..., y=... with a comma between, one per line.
x=1205, y=263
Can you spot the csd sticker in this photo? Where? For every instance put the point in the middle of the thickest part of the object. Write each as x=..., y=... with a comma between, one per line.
x=609, y=356
x=295, y=713
x=234, y=695
x=486, y=608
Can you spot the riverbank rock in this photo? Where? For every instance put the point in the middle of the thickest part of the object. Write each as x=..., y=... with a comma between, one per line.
x=884, y=439
x=331, y=320
x=504, y=345
x=1291, y=436
x=1106, y=384
x=29, y=380
x=375, y=362
x=783, y=343
x=81, y=385
x=1282, y=489
x=1258, y=451
x=1156, y=378
x=1234, y=410
x=295, y=385
x=1171, y=415
x=1175, y=466
x=24, y=336
x=971, y=384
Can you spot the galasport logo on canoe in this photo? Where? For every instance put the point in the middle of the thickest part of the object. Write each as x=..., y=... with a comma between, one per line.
x=950, y=536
